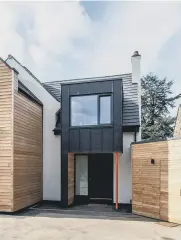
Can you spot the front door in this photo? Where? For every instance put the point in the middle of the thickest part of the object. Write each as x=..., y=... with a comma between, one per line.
x=100, y=170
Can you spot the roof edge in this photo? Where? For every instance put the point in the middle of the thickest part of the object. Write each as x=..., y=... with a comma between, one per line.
x=29, y=72
x=12, y=57
x=156, y=140
x=99, y=78
x=4, y=61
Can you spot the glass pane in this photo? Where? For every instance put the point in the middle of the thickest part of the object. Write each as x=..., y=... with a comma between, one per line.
x=84, y=110
x=105, y=109
x=81, y=174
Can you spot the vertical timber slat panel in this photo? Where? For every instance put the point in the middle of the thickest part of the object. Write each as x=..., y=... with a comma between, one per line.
x=163, y=180
x=150, y=181
x=6, y=157
x=174, y=181
x=71, y=181
x=169, y=155
x=28, y=162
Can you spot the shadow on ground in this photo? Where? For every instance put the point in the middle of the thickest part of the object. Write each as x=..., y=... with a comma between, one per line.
x=90, y=211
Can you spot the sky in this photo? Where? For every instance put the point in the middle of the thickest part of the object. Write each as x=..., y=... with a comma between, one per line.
x=63, y=40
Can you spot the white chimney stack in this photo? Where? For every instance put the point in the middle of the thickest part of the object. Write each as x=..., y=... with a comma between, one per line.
x=136, y=70
x=136, y=78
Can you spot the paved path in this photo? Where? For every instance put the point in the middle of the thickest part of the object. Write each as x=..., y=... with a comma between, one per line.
x=46, y=225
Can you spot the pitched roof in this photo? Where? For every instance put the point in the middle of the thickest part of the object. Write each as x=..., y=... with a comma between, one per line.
x=27, y=70
x=130, y=98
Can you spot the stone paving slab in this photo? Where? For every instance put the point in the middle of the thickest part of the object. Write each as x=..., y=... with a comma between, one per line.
x=46, y=225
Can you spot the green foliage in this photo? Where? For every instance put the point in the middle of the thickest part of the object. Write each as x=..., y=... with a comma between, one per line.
x=157, y=99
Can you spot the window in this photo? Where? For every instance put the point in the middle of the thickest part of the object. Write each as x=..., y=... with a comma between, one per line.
x=105, y=109
x=84, y=110
x=90, y=110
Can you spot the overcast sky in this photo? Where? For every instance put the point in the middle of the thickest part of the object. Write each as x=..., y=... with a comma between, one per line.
x=82, y=39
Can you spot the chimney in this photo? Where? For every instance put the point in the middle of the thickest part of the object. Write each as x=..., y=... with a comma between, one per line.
x=136, y=78
x=135, y=60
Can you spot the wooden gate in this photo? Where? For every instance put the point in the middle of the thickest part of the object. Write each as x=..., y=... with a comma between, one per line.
x=150, y=179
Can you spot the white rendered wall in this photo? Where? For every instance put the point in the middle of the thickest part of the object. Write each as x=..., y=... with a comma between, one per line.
x=51, y=143
x=125, y=168
x=136, y=78
x=125, y=171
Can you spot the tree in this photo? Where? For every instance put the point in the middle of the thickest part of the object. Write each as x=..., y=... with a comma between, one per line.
x=157, y=99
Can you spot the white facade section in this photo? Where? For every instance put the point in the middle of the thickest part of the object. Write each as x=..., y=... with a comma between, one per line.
x=125, y=171
x=51, y=143
x=82, y=175
x=136, y=68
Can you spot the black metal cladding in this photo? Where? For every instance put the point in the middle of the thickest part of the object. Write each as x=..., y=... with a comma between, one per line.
x=92, y=139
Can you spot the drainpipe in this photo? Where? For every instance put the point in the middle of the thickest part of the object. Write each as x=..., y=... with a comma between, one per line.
x=117, y=165
x=135, y=136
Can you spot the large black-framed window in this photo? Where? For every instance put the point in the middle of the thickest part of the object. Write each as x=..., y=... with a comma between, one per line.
x=90, y=110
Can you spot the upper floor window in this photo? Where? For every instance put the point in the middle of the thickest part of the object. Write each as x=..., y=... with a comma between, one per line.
x=105, y=109
x=90, y=110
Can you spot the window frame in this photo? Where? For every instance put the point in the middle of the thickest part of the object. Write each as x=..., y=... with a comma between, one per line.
x=99, y=95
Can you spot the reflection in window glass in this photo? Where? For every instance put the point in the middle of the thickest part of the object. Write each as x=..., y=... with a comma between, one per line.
x=105, y=109
x=84, y=110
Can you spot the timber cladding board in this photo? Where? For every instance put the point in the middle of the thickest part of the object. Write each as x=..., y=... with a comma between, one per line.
x=70, y=178
x=150, y=181
x=28, y=162
x=6, y=196
x=174, y=183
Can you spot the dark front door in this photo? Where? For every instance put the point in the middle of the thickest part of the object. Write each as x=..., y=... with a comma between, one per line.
x=100, y=170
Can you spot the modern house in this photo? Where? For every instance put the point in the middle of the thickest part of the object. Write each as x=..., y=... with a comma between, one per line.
x=177, y=129
x=88, y=126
